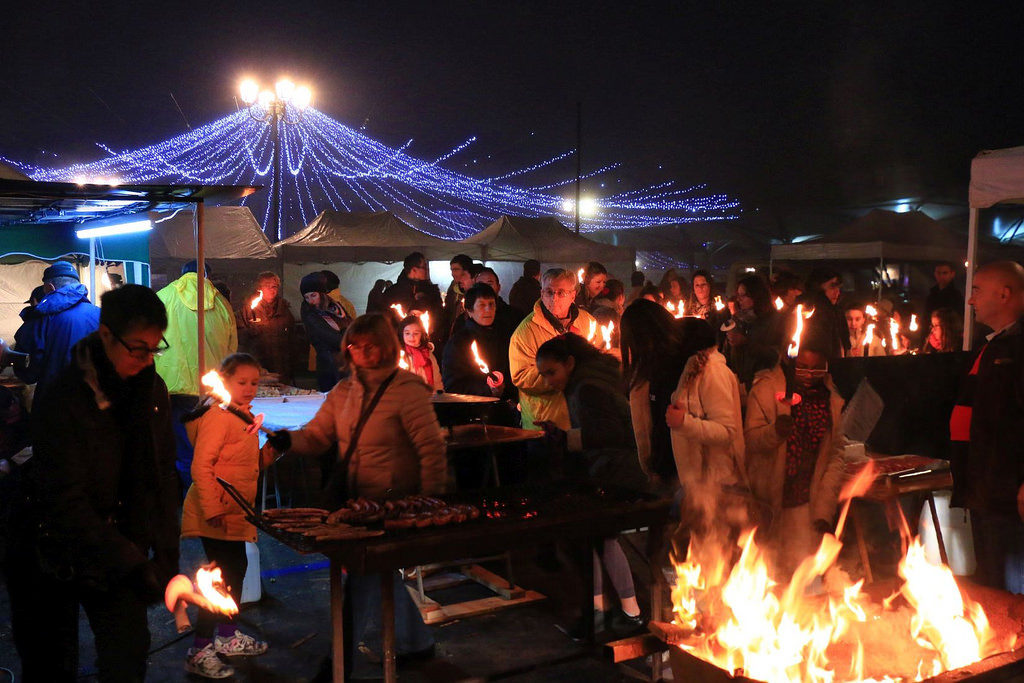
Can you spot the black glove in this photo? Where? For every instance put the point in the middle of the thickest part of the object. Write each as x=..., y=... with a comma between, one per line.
x=144, y=580
x=280, y=441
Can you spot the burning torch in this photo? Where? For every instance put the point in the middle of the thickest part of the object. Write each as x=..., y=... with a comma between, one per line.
x=789, y=364
x=494, y=378
x=208, y=593
x=256, y=302
x=220, y=395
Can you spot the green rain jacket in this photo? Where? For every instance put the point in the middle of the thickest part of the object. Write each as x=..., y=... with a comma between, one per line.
x=178, y=366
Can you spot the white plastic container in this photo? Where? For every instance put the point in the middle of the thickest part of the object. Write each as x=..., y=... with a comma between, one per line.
x=956, y=534
x=252, y=587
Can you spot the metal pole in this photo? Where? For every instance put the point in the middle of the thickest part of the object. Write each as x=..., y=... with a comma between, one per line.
x=579, y=142
x=200, y=229
x=972, y=258
x=92, y=270
x=275, y=197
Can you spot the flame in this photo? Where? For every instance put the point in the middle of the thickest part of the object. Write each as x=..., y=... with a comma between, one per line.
x=779, y=303
x=869, y=336
x=593, y=330
x=397, y=308
x=256, y=301
x=606, y=334
x=913, y=322
x=215, y=384
x=425, y=319
x=580, y=274
x=871, y=310
x=677, y=311
x=402, y=362
x=210, y=585
x=479, y=361
x=894, y=332
x=720, y=305
x=794, y=345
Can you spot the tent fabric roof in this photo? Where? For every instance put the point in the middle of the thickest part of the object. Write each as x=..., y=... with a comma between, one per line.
x=516, y=238
x=361, y=236
x=997, y=176
x=8, y=172
x=910, y=236
x=231, y=232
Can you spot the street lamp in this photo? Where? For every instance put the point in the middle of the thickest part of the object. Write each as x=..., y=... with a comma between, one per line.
x=286, y=103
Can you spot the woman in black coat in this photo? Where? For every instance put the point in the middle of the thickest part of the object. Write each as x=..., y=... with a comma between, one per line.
x=95, y=520
x=325, y=323
x=601, y=450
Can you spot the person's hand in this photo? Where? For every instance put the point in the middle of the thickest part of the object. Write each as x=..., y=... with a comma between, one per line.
x=553, y=434
x=496, y=382
x=784, y=425
x=217, y=521
x=281, y=440
x=675, y=416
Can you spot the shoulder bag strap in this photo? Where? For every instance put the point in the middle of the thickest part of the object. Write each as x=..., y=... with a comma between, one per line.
x=364, y=417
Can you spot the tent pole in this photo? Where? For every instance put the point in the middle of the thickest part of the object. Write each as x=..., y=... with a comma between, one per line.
x=972, y=257
x=92, y=270
x=200, y=210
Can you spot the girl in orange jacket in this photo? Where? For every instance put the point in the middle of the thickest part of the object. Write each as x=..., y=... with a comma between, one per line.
x=225, y=447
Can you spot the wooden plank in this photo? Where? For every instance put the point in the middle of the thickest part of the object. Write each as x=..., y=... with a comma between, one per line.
x=493, y=582
x=670, y=634
x=633, y=648
x=473, y=608
x=426, y=604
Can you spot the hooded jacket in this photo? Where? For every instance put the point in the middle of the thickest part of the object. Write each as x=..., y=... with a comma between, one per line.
x=537, y=402
x=51, y=328
x=178, y=366
x=401, y=450
x=101, y=492
x=766, y=450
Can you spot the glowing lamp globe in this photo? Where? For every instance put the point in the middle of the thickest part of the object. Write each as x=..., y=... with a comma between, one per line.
x=249, y=90
x=588, y=206
x=302, y=97
x=285, y=89
x=265, y=98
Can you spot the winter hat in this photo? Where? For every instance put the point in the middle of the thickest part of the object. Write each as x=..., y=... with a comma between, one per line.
x=60, y=269
x=37, y=295
x=314, y=282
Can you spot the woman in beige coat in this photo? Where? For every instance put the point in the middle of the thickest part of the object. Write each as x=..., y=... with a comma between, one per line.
x=400, y=451
x=707, y=435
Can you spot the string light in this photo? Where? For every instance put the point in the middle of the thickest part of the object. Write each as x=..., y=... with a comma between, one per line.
x=327, y=165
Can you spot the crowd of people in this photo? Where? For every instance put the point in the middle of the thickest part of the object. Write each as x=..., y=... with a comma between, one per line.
x=677, y=387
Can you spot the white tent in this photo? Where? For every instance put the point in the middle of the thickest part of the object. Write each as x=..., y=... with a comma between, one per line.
x=997, y=177
x=8, y=172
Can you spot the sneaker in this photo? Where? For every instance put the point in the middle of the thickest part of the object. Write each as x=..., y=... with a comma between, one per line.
x=205, y=662
x=239, y=645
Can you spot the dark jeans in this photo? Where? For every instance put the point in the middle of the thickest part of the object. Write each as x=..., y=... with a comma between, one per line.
x=230, y=557
x=999, y=550
x=44, y=617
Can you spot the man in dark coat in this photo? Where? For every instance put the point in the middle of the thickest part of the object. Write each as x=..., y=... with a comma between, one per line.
x=55, y=324
x=944, y=294
x=414, y=292
x=987, y=430
x=459, y=368
x=526, y=290
x=95, y=521
x=265, y=329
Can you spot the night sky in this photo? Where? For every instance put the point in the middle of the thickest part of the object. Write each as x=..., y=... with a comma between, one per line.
x=783, y=105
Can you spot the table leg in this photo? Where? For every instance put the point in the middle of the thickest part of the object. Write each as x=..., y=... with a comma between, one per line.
x=387, y=615
x=657, y=592
x=337, y=622
x=587, y=604
x=938, y=529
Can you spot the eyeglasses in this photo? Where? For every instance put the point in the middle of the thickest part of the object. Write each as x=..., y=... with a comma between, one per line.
x=362, y=348
x=558, y=293
x=143, y=352
x=808, y=372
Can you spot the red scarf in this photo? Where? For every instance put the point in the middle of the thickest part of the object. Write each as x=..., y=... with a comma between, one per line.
x=421, y=365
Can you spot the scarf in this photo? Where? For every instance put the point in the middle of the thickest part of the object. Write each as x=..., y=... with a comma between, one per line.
x=574, y=313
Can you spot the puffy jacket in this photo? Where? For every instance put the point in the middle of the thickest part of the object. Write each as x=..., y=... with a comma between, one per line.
x=708, y=448
x=766, y=451
x=401, y=450
x=179, y=365
x=100, y=492
x=51, y=328
x=223, y=448
x=536, y=401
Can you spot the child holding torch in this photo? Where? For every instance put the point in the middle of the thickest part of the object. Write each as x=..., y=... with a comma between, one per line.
x=419, y=352
x=225, y=447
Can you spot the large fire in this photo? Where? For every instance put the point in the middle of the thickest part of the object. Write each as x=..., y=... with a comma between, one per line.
x=821, y=626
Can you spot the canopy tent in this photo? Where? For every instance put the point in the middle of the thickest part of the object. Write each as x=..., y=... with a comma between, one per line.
x=358, y=237
x=997, y=177
x=8, y=172
x=879, y=236
x=516, y=238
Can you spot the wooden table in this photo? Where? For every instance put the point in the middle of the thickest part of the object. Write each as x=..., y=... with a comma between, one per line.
x=384, y=554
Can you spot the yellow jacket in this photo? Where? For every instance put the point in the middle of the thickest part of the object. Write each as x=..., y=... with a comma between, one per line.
x=223, y=448
x=536, y=401
x=179, y=365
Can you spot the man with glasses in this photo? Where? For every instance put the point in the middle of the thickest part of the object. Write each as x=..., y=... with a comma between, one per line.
x=794, y=453
x=554, y=314
x=95, y=519
x=179, y=367
x=55, y=324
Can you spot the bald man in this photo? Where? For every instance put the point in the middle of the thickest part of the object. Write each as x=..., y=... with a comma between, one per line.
x=987, y=430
